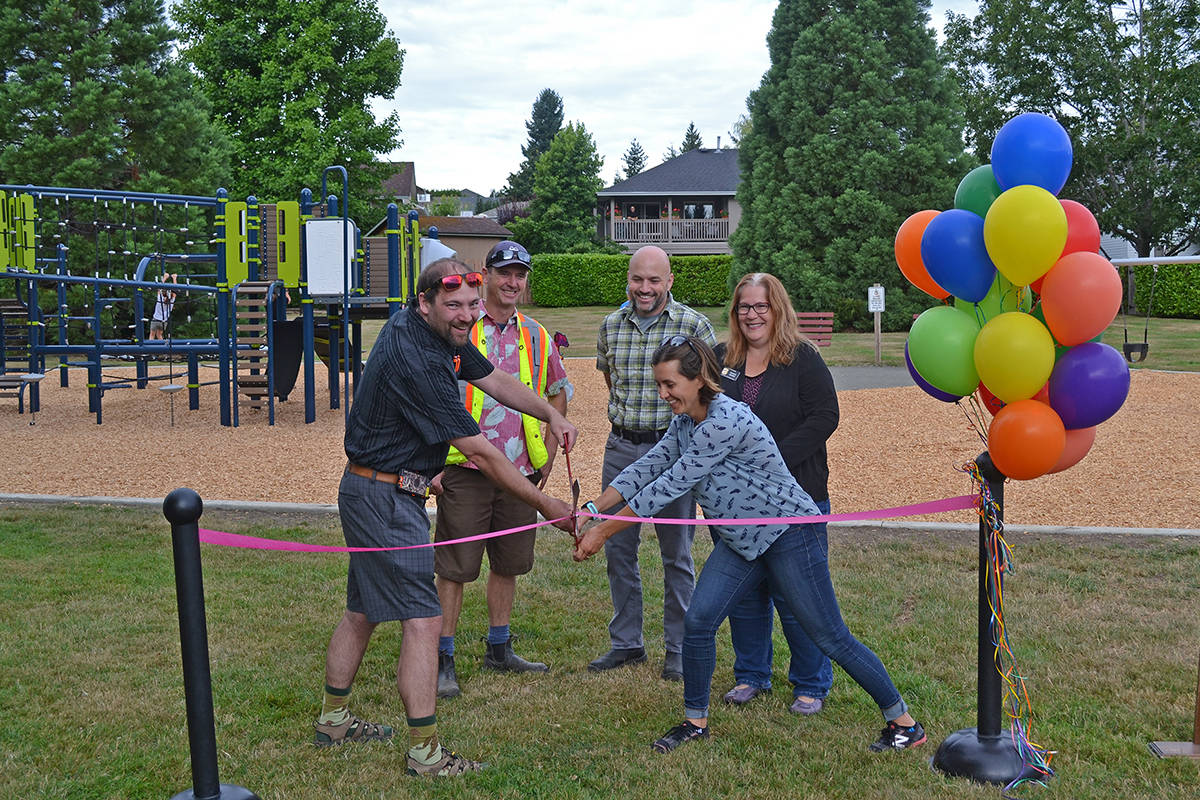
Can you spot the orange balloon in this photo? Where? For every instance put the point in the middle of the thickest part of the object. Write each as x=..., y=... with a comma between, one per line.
x=1026, y=439
x=1079, y=442
x=1080, y=297
x=908, y=254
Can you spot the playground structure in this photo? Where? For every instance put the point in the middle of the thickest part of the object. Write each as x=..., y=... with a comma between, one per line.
x=86, y=265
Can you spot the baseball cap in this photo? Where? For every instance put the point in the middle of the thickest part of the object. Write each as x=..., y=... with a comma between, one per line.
x=508, y=253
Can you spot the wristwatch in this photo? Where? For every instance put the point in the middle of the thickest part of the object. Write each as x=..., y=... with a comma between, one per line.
x=590, y=507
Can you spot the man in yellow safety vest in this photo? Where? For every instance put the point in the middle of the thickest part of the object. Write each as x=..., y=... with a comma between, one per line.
x=470, y=503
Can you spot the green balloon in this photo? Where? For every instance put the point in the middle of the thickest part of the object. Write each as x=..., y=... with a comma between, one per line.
x=941, y=346
x=977, y=190
x=1001, y=298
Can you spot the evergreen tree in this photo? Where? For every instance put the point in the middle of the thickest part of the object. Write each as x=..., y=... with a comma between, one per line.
x=635, y=159
x=739, y=129
x=562, y=215
x=854, y=126
x=670, y=153
x=91, y=97
x=691, y=139
x=1123, y=79
x=543, y=125
x=292, y=83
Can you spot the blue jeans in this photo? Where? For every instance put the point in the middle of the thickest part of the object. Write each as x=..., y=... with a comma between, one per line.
x=750, y=625
x=796, y=570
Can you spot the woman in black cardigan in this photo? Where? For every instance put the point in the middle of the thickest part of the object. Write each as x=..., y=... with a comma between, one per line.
x=769, y=365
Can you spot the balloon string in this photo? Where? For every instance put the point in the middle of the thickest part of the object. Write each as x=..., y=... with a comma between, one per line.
x=974, y=417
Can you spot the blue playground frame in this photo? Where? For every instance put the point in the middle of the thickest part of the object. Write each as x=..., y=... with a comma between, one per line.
x=237, y=257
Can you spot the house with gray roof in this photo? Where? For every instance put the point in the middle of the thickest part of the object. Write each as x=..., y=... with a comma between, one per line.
x=685, y=205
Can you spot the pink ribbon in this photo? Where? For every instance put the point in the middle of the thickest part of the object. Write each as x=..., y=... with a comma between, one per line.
x=258, y=543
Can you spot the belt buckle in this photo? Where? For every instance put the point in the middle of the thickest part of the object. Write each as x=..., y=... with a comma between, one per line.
x=412, y=483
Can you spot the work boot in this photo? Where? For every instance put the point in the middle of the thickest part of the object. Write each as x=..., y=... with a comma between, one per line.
x=447, y=680
x=501, y=658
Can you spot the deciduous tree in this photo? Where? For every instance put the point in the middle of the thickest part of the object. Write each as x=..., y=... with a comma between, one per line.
x=292, y=83
x=854, y=126
x=1122, y=77
x=565, y=183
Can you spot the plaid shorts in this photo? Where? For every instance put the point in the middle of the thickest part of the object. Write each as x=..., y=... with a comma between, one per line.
x=394, y=584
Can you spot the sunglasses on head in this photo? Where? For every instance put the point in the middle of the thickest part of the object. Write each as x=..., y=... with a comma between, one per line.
x=452, y=282
x=509, y=254
x=680, y=339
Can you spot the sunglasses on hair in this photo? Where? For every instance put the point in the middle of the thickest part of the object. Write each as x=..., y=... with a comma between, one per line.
x=680, y=339
x=452, y=282
x=509, y=254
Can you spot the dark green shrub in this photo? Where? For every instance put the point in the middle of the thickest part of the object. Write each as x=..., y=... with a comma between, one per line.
x=1176, y=292
x=597, y=279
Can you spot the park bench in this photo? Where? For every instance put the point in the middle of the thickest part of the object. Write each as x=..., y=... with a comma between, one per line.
x=816, y=325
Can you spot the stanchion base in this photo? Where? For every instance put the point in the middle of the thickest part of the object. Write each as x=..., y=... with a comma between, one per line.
x=1175, y=749
x=227, y=792
x=988, y=760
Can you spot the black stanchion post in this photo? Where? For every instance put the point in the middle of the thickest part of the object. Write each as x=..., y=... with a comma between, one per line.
x=982, y=753
x=182, y=509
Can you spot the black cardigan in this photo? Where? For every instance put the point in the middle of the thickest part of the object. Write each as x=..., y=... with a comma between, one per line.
x=799, y=406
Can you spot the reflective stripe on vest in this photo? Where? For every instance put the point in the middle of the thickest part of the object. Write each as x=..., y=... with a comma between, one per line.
x=532, y=426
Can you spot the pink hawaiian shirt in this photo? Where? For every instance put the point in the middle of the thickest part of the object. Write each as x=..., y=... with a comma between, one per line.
x=500, y=424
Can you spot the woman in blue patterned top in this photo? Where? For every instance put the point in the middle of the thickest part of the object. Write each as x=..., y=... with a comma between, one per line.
x=717, y=450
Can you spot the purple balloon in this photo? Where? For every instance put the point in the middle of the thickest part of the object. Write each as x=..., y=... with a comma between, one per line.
x=929, y=388
x=1089, y=383
x=955, y=256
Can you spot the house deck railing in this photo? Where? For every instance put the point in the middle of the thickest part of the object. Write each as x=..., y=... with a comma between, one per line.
x=670, y=230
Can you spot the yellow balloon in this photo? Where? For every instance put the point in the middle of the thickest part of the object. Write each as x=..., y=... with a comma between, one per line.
x=1024, y=232
x=1014, y=354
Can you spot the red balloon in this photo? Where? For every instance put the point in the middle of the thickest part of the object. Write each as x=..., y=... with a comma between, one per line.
x=1079, y=442
x=1080, y=297
x=1083, y=232
x=992, y=403
x=908, y=254
x=1026, y=439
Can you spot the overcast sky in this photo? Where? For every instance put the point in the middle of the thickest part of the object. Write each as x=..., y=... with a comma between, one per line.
x=644, y=70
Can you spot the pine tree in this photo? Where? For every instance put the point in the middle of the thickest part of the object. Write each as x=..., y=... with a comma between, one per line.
x=562, y=215
x=691, y=139
x=292, y=83
x=634, y=158
x=854, y=127
x=543, y=125
x=670, y=153
x=91, y=97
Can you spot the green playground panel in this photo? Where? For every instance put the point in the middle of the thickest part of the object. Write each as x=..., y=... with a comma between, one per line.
x=237, y=260
x=5, y=232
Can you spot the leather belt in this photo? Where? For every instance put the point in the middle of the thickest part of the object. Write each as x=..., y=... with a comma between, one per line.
x=413, y=483
x=638, y=437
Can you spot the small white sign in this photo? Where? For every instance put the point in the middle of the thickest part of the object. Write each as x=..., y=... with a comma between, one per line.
x=875, y=298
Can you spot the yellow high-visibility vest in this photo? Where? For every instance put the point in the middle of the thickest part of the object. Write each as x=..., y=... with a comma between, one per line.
x=532, y=426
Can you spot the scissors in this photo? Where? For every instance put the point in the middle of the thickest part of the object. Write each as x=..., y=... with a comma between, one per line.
x=574, y=498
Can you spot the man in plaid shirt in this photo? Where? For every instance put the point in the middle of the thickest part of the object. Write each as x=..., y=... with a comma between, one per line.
x=628, y=338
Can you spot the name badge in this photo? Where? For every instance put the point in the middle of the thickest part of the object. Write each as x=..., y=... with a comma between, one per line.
x=730, y=373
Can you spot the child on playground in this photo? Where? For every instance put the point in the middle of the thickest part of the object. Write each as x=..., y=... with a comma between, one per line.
x=163, y=304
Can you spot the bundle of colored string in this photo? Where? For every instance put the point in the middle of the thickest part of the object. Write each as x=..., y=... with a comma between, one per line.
x=1035, y=759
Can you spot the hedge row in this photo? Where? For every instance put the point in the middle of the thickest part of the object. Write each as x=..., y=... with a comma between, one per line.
x=594, y=279
x=1176, y=290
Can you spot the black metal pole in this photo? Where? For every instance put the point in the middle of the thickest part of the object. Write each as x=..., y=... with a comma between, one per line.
x=182, y=509
x=982, y=754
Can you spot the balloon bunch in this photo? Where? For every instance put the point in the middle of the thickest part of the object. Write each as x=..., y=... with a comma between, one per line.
x=1037, y=364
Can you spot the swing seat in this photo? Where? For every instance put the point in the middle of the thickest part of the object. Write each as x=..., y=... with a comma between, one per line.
x=1136, y=351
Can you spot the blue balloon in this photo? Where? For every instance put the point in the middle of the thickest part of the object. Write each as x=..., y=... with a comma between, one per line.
x=1088, y=385
x=955, y=256
x=926, y=386
x=1032, y=149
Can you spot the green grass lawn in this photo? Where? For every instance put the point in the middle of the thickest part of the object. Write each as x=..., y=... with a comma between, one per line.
x=92, y=700
x=1174, y=343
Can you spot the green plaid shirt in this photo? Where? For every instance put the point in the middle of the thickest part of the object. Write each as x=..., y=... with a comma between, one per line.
x=624, y=351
